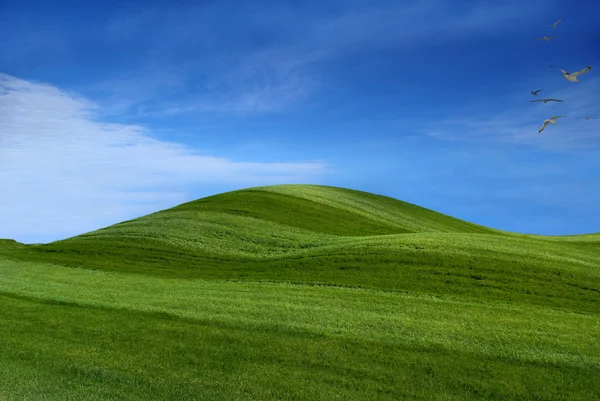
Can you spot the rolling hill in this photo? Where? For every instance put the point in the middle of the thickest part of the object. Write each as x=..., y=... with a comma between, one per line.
x=333, y=236
x=301, y=292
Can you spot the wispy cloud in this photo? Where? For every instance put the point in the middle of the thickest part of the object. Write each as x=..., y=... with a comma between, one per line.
x=250, y=88
x=275, y=59
x=63, y=171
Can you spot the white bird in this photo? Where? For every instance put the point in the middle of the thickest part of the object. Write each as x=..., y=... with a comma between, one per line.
x=587, y=118
x=554, y=25
x=551, y=121
x=546, y=38
x=534, y=93
x=573, y=76
x=545, y=100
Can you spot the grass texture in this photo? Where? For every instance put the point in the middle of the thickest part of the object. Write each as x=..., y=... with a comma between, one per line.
x=300, y=292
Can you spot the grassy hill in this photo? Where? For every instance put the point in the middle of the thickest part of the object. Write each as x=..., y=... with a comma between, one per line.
x=301, y=292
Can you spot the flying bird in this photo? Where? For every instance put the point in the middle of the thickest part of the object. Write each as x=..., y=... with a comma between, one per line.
x=534, y=93
x=546, y=38
x=545, y=100
x=587, y=118
x=551, y=121
x=573, y=77
x=554, y=25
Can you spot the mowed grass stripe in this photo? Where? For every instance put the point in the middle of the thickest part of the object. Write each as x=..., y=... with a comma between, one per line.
x=507, y=331
x=525, y=270
x=332, y=210
x=63, y=352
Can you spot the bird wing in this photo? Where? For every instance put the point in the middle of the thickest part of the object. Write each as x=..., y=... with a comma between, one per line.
x=565, y=72
x=555, y=117
x=586, y=69
x=556, y=23
x=544, y=126
x=554, y=100
x=539, y=100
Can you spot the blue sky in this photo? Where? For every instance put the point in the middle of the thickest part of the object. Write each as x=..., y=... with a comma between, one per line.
x=113, y=110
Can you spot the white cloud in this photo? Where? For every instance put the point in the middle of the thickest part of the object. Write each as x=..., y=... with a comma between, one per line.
x=64, y=172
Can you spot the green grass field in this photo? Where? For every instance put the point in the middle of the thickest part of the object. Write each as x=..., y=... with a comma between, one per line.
x=300, y=292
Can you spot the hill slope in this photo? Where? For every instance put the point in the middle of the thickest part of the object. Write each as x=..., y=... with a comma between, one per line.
x=333, y=236
x=448, y=310
x=331, y=210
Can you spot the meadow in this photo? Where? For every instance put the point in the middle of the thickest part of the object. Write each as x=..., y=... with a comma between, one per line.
x=300, y=292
